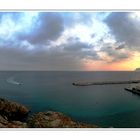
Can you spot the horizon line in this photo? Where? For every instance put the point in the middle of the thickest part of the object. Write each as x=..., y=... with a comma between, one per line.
x=74, y=70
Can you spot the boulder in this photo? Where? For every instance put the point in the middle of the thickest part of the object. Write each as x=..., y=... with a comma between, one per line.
x=4, y=123
x=52, y=119
x=17, y=124
x=12, y=110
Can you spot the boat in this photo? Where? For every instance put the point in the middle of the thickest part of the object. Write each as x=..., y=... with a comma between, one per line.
x=11, y=80
x=135, y=90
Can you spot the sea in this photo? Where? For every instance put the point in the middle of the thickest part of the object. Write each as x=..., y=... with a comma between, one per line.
x=106, y=106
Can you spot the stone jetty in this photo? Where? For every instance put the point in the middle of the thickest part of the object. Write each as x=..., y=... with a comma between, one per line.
x=105, y=83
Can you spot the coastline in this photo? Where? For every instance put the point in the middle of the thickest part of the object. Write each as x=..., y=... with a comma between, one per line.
x=15, y=115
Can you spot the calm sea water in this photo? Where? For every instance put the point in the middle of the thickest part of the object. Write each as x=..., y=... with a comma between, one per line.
x=104, y=105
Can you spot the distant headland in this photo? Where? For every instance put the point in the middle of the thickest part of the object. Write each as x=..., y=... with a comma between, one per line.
x=137, y=69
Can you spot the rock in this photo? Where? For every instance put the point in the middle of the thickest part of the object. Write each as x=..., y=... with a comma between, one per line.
x=13, y=115
x=12, y=110
x=16, y=124
x=4, y=123
x=55, y=123
x=52, y=119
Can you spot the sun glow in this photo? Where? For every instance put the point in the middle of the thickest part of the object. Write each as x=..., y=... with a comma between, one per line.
x=129, y=64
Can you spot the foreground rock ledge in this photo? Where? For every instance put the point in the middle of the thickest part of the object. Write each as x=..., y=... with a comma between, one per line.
x=13, y=110
x=14, y=115
x=51, y=119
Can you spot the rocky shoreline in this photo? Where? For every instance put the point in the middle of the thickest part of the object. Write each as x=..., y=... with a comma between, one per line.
x=15, y=115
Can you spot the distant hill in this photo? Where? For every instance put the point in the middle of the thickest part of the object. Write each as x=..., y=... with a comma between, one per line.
x=137, y=69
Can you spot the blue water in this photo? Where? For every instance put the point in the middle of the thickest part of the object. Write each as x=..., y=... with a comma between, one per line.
x=103, y=105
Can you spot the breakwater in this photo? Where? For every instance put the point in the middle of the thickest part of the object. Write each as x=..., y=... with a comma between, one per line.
x=105, y=83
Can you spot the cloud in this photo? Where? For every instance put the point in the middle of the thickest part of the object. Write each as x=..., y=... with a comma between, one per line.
x=19, y=59
x=12, y=24
x=81, y=50
x=121, y=46
x=73, y=18
x=125, y=27
x=74, y=45
x=68, y=56
x=53, y=41
x=115, y=54
x=13, y=15
x=48, y=26
x=31, y=48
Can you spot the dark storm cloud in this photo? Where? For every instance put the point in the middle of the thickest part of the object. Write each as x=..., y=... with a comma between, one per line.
x=76, y=46
x=21, y=59
x=69, y=57
x=48, y=26
x=121, y=46
x=79, y=49
x=125, y=28
x=115, y=54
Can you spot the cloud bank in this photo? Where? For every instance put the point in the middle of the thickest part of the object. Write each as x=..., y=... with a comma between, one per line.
x=66, y=41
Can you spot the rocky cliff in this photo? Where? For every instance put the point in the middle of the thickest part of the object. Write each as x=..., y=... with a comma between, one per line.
x=15, y=115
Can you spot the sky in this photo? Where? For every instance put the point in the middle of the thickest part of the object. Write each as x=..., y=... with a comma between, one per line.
x=73, y=41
